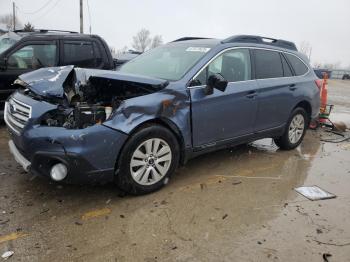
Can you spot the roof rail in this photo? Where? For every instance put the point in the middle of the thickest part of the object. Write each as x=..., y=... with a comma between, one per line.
x=186, y=38
x=44, y=31
x=260, y=40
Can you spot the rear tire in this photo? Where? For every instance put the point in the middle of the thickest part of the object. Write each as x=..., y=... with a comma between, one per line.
x=147, y=160
x=295, y=130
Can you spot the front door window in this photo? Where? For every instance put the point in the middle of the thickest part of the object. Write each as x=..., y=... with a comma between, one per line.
x=33, y=57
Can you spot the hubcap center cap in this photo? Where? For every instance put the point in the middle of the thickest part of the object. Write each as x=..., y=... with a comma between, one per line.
x=151, y=160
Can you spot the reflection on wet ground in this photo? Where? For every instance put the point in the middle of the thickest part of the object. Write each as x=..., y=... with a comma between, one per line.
x=232, y=205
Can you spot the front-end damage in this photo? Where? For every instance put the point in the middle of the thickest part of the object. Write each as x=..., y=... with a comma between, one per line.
x=82, y=118
x=84, y=97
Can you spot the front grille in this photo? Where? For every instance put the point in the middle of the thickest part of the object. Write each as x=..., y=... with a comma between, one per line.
x=17, y=114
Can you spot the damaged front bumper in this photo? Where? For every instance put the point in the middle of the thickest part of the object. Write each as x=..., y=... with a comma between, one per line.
x=20, y=159
x=90, y=155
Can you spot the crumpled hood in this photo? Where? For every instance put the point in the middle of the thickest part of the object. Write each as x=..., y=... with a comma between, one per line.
x=49, y=82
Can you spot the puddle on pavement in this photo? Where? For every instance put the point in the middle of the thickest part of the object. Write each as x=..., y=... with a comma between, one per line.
x=213, y=199
x=341, y=117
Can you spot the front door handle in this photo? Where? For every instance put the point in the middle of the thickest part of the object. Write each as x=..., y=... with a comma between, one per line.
x=292, y=87
x=251, y=94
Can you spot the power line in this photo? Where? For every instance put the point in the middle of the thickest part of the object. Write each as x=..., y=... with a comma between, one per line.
x=52, y=8
x=38, y=10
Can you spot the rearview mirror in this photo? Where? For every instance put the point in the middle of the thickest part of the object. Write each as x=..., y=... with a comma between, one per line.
x=215, y=81
x=3, y=64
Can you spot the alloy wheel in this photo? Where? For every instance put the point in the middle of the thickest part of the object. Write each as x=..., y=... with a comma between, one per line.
x=150, y=161
x=296, y=128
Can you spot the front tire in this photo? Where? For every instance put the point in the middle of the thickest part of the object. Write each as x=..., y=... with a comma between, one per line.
x=147, y=160
x=295, y=130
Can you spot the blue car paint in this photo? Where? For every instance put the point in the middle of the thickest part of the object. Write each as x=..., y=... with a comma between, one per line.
x=84, y=150
x=170, y=105
x=49, y=82
x=202, y=123
x=38, y=80
x=233, y=118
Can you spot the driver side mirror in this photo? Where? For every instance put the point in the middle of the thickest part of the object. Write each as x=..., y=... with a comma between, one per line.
x=3, y=64
x=215, y=81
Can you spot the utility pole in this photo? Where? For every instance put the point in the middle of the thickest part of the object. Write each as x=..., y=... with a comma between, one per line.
x=81, y=17
x=14, y=15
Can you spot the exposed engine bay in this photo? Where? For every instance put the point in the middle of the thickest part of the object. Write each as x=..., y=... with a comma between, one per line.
x=86, y=97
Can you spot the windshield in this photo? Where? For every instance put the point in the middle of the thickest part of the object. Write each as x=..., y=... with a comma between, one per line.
x=169, y=62
x=6, y=41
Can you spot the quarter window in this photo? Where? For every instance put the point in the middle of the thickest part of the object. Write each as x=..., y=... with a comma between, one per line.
x=33, y=57
x=233, y=65
x=299, y=67
x=268, y=64
x=286, y=68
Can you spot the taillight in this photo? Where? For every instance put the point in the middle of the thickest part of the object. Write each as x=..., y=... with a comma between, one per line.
x=318, y=82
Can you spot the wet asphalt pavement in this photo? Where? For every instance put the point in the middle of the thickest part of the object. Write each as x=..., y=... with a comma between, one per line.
x=233, y=205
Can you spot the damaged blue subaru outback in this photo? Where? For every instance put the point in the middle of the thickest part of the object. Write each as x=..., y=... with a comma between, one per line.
x=134, y=126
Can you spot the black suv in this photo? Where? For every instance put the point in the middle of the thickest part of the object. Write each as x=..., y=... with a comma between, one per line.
x=22, y=52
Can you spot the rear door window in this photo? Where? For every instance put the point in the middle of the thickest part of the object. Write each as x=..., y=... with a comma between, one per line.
x=234, y=65
x=268, y=64
x=81, y=54
x=299, y=67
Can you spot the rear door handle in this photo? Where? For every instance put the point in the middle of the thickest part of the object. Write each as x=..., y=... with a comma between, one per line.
x=292, y=87
x=251, y=94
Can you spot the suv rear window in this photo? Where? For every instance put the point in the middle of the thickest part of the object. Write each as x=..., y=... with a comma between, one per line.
x=299, y=67
x=81, y=54
x=268, y=64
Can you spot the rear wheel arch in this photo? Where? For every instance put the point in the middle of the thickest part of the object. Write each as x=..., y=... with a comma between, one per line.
x=306, y=106
x=293, y=128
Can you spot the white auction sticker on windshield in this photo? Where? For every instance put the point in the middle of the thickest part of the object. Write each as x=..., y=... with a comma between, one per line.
x=198, y=49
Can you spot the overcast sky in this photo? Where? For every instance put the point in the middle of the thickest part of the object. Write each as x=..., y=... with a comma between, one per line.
x=325, y=25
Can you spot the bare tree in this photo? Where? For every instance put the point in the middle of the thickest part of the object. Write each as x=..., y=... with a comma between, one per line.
x=317, y=65
x=121, y=51
x=28, y=27
x=337, y=65
x=156, y=41
x=112, y=49
x=7, y=20
x=142, y=40
x=330, y=66
x=305, y=48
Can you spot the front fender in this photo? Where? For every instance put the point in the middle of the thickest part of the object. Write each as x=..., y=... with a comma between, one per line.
x=171, y=105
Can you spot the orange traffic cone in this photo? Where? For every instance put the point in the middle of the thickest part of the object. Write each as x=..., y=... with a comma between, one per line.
x=324, y=94
x=324, y=97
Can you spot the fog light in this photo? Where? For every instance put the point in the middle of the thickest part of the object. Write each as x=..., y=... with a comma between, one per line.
x=58, y=172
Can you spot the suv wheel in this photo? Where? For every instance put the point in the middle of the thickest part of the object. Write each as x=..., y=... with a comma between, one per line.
x=295, y=130
x=148, y=160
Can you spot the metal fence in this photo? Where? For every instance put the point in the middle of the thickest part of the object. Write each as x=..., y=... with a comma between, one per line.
x=338, y=73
